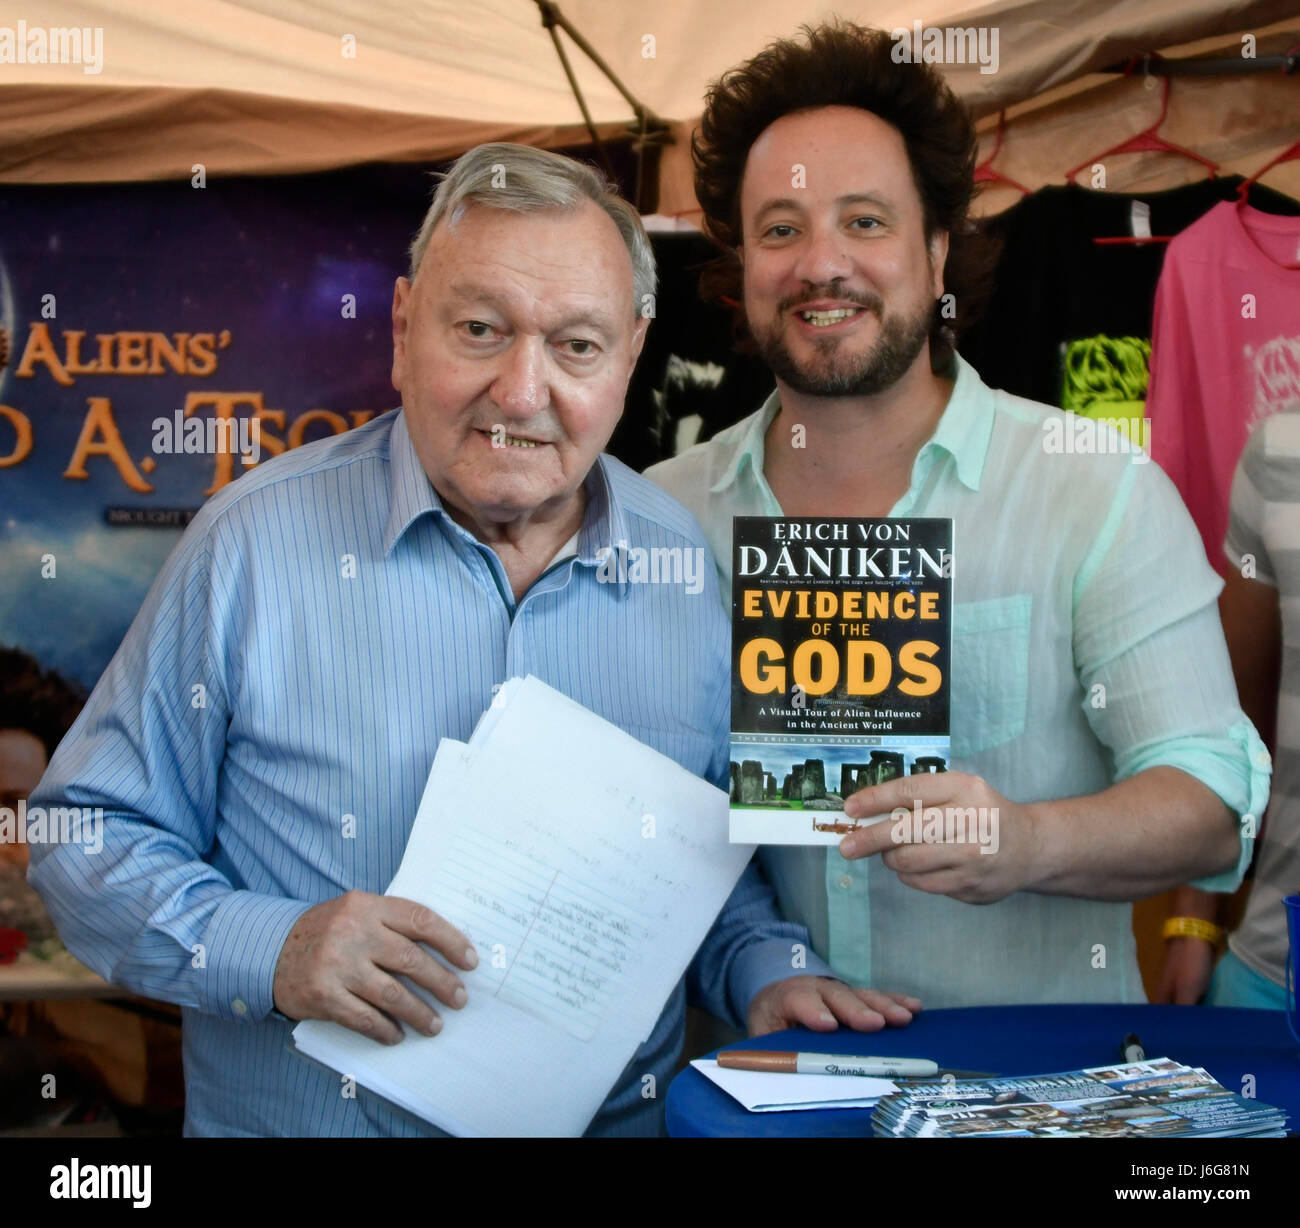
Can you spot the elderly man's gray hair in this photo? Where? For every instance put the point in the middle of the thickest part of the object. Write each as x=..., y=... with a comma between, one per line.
x=522, y=179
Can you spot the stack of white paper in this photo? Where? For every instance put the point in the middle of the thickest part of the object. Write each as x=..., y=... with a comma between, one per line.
x=586, y=869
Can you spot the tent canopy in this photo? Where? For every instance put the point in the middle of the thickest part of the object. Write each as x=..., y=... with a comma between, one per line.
x=282, y=86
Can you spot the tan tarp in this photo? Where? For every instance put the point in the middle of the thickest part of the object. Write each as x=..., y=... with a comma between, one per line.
x=283, y=86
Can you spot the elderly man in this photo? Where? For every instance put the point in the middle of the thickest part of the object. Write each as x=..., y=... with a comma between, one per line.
x=260, y=742
x=1093, y=708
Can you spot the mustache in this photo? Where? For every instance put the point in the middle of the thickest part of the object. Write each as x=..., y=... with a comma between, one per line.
x=795, y=302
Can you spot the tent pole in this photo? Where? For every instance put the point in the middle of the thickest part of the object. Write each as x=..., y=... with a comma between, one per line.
x=551, y=17
x=582, y=102
x=648, y=128
x=1286, y=64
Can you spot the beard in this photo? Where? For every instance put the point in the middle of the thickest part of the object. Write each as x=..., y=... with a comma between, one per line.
x=837, y=374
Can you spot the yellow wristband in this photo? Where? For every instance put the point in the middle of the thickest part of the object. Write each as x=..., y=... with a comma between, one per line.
x=1193, y=927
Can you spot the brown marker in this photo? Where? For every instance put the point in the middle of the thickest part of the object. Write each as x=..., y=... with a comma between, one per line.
x=777, y=1061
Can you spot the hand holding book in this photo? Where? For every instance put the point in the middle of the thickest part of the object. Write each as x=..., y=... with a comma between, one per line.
x=949, y=833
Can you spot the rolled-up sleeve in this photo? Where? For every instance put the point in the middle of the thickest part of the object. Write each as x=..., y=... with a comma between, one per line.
x=143, y=907
x=1151, y=658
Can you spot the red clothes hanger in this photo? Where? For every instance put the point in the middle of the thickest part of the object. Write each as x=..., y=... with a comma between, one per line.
x=984, y=172
x=1148, y=140
x=1290, y=154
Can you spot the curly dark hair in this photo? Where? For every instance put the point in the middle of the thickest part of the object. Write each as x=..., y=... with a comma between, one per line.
x=843, y=64
x=39, y=701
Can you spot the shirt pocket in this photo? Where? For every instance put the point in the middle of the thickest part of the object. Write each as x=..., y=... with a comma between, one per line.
x=990, y=672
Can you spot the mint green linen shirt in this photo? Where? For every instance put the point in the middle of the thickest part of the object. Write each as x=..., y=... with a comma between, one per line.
x=1086, y=648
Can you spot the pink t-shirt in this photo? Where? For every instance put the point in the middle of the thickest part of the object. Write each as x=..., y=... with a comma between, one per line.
x=1225, y=352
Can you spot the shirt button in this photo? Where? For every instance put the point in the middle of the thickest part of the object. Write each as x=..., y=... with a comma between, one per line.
x=845, y=882
x=239, y=1006
x=1262, y=758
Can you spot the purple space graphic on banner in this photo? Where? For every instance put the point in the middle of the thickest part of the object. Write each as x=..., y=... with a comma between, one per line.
x=124, y=305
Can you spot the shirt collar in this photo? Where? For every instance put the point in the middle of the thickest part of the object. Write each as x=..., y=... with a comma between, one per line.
x=745, y=443
x=412, y=495
x=966, y=426
x=963, y=431
x=604, y=522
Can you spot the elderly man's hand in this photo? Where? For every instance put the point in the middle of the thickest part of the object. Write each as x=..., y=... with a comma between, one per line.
x=821, y=1004
x=986, y=846
x=342, y=958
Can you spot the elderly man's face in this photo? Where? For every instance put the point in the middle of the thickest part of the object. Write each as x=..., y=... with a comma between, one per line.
x=513, y=350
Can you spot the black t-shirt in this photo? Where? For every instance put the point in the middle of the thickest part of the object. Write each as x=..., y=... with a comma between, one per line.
x=691, y=331
x=1070, y=318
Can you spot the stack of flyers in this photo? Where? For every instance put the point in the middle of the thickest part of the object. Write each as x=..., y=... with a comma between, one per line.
x=1149, y=1099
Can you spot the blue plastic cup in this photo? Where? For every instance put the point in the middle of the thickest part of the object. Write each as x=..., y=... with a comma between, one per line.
x=1292, y=903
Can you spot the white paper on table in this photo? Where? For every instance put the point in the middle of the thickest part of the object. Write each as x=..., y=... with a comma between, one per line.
x=535, y=840
x=765, y=1091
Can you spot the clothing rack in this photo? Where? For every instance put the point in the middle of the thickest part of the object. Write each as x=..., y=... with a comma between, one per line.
x=1152, y=65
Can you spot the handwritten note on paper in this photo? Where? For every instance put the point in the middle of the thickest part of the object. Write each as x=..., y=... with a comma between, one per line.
x=553, y=943
x=584, y=898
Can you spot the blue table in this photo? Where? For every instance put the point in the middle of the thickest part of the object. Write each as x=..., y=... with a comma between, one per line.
x=1013, y=1040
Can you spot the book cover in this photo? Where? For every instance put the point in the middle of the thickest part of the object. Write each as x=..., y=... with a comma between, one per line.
x=841, y=639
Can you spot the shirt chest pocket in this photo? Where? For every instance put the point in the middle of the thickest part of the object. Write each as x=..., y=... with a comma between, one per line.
x=990, y=672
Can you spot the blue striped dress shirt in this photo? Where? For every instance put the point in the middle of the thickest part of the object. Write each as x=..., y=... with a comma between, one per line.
x=260, y=742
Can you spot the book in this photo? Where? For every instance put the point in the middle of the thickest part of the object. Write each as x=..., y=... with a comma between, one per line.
x=841, y=642
x=1156, y=1098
